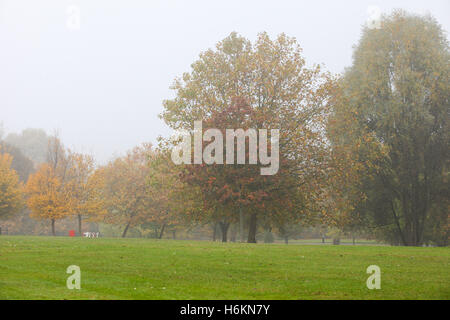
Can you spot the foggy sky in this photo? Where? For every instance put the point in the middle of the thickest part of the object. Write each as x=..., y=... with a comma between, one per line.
x=103, y=85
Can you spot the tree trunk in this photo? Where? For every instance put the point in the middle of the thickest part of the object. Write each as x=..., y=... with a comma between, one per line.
x=233, y=233
x=79, y=225
x=53, y=227
x=241, y=225
x=162, y=231
x=215, y=232
x=126, y=229
x=224, y=228
x=173, y=234
x=252, y=229
x=397, y=223
x=284, y=234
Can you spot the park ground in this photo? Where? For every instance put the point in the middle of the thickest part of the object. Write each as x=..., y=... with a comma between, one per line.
x=35, y=268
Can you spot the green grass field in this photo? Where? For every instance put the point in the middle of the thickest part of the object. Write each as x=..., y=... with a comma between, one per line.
x=35, y=268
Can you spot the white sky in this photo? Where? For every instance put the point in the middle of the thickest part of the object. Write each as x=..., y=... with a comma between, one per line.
x=103, y=85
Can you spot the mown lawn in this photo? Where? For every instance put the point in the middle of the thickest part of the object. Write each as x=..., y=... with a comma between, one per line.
x=35, y=268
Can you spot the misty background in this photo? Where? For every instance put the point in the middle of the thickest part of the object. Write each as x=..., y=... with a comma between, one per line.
x=102, y=85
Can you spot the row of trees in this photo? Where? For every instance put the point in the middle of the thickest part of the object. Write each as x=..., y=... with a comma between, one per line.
x=366, y=151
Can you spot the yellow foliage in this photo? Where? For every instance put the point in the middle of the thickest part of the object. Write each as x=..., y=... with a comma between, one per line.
x=47, y=198
x=83, y=187
x=11, y=195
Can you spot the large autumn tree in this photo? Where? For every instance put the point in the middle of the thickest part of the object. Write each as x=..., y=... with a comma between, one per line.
x=391, y=115
x=280, y=92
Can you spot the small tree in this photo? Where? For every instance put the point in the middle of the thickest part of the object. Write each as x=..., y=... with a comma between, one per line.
x=125, y=189
x=11, y=195
x=47, y=198
x=83, y=188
